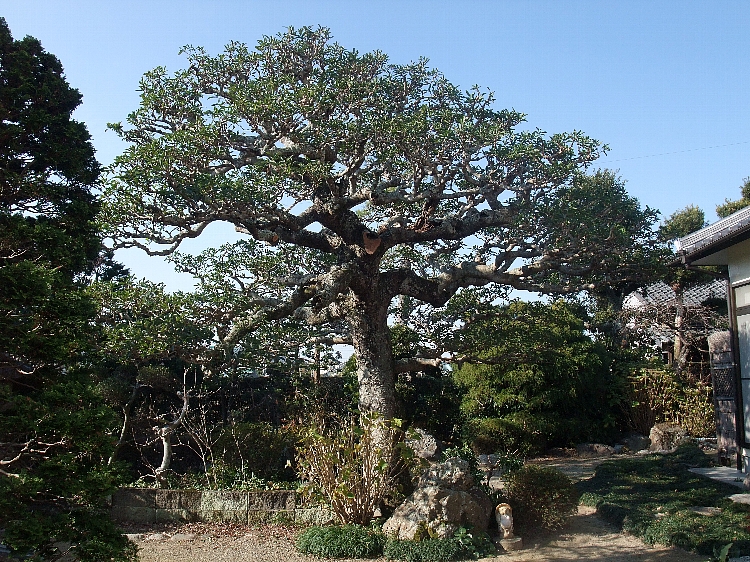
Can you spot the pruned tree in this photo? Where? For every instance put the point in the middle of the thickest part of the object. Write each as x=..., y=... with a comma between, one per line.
x=375, y=180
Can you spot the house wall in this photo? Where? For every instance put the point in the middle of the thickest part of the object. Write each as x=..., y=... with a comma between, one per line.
x=739, y=263
x=739, y=276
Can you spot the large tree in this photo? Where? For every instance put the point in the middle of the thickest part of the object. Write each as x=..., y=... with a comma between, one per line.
x=372, y=179
x=53, y=426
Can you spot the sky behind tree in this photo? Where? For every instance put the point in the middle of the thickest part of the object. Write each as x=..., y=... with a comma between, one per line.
x=664, y=84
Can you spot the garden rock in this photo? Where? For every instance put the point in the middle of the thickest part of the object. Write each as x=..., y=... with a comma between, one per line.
x=445, y=499
x=740, y=498
x=636, y=442
x=666, y=437
x=591, y=450
x=425, y=446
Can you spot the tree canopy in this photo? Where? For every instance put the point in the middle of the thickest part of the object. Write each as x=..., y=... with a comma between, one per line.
x=730, y=207
x=539, y=378
x=366, y=180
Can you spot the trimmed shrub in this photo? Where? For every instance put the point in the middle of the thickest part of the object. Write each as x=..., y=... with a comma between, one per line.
x=430, y=550
x=347, y=541
x=541, y=496
x=463, y=545
x=539, y=378
x=521, y=433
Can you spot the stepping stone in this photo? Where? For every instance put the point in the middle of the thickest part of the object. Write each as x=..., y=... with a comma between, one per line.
x=134, y=536
x=706, y=510
x=156, y=537
x=182, y=537
x=740, y=498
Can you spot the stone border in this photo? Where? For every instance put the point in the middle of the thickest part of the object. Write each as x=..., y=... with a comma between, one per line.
x=150, y=505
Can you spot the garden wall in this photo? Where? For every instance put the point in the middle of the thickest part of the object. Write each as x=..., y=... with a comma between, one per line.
x=149, y=505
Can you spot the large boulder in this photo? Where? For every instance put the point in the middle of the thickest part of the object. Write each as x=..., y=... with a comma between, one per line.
x=445, y=499
x=666, y=437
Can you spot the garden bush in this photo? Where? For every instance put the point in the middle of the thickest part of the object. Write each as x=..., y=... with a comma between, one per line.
x=521, y=433
x=352, y=464
x=463, y=545
x=347, y=541
x=356, y=541
x=541, y=496
x=659, y=395
x=430, y=550
x=538, y=378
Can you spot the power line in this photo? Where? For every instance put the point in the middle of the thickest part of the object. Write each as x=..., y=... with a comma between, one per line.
x=676, y=152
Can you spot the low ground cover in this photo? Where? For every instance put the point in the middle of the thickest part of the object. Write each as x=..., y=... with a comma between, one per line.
x=355, y=541
x=653, y=497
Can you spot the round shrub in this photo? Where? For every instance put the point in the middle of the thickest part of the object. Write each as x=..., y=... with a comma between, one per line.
x=520, y=433
x=346, y=541
x=541, y=496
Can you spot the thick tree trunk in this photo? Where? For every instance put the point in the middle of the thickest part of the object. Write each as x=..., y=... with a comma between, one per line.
x=368, y=323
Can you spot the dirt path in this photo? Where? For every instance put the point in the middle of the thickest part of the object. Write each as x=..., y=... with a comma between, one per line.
x=586, y=537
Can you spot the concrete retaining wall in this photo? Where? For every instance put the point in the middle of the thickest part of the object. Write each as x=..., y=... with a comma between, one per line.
x=149, y=505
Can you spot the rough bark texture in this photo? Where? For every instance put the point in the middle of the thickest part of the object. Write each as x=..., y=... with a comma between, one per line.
x=372, y=347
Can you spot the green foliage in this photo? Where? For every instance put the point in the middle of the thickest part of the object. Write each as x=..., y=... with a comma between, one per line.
x=658, y=395
x=722, y=554
x=541, y=497
x=54, y=428
x=730, y=207
x=142, y=323
x=355, y=541
x=520, y=432
x=258, y=449
x=651, y=497
x=539, y=378
x=59, y=494
x=429, y=550
x=353, y=465
x=428, y=400
x=346, y=541
x=682, y=222
x=464, y=544
x=596, y=211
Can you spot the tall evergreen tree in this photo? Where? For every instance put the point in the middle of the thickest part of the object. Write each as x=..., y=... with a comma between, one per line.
x=53, y=427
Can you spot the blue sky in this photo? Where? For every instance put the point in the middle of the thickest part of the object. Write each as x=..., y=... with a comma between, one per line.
x=664, y=83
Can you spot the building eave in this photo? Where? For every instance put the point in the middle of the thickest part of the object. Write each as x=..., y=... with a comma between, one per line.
x=714, y=238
